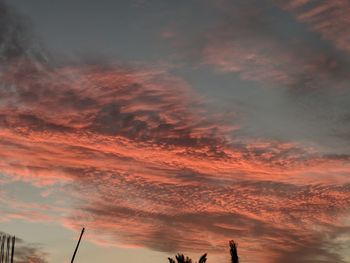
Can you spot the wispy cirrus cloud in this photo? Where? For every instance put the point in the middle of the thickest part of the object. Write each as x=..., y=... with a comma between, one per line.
x=271, y=220
x=251, y=42
x=148, y=166
x=329, y=18
x=263, y=44
x=155, y=182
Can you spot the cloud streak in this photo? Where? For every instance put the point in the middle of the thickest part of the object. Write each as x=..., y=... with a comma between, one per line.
x=330, y=19
x=250, y=41
x=148, y=166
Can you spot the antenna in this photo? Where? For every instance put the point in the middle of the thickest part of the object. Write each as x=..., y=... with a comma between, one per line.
x=76, y=248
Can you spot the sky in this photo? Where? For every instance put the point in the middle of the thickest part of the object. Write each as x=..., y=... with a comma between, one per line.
x=175, y=126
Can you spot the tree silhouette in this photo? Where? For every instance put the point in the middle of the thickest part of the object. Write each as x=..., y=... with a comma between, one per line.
x=233, y=251
x=203, y=258
x=180, y=258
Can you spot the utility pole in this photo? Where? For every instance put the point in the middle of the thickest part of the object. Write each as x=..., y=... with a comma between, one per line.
x=76, y=248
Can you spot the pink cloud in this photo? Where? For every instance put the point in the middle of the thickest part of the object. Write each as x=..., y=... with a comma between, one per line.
x=149, y=167
x=329, y=18
x=250, y=43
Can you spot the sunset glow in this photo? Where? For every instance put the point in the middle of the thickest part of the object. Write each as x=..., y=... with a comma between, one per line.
x=229, y=121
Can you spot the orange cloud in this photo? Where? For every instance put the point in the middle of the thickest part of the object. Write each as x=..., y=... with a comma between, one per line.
x=148, y=168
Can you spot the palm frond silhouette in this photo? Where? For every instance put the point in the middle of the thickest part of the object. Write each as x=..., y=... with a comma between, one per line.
x=203, y=258
x=180, y=258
